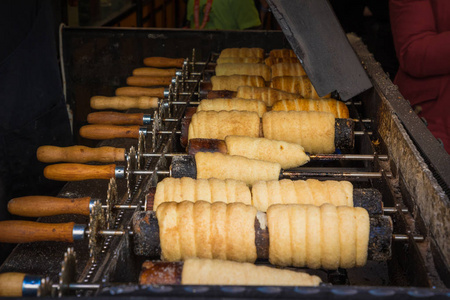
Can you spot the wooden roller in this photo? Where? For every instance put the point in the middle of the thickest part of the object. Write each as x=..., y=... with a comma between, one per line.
x=147, y=241
x=102, y=132
x=143, y=80
x=44, y=206
x=154, y=72
x=75, y=172
x=115, y=118
x=79, y=154
x=343, y=138
x=124, y=102
x=28, y=231
x=164, y=62
x=15, y=284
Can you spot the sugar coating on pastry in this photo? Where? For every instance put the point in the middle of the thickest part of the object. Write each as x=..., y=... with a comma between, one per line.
x=232, y=82
x=265, y=94
x=221, y=272
x=296, y=84
x=223, y=166
x=209, y=190
x=242, y=52
x=288, y=155
x=230, y=104
x=315, y=131
x=337, y=108
x=205, y=230
x=219, y=124
x=244, y=69
x=310, y=191
x=323, y=236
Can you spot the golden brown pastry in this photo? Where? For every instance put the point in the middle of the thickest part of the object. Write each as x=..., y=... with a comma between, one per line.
x=337, y=108
x=266, y=94
x=296, y=84
x=310, y=236
x=288, y=155
x=270, y=61
x=219, y=124
x=221, y=272
x=232, y=82
x=223, y=166
x=205, y=230
x=282, y=53
x=239, y=60
x=312, y=130
x=311, y=191
x=244, y=69
x=287, y=69
x=242, y=52
x=229, y=104
x=209, y=190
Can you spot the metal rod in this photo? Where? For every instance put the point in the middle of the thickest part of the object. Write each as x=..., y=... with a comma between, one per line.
x=333, y=174
x=125, y=206
x=79, y=286
x=148, y=172
x=347, y=157
x=362, y=132
x=184, y=102
x=404, y=237
x=161, y=154
x=393, y=210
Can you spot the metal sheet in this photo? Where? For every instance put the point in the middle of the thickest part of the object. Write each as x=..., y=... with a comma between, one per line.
x=317, y=38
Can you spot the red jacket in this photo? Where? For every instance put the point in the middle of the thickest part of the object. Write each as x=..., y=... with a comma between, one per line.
x=421, y=32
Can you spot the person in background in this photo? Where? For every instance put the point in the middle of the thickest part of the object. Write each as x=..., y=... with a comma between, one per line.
x=33, y=109
x=222, y=14
x=421, y=32
x=369, y=19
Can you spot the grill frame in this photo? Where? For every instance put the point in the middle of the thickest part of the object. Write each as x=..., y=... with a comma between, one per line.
x=378, y=105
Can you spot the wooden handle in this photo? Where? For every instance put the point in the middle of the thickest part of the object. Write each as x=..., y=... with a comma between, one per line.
x=163, y=62
x=149, y=80
x=79, y=154
x=44, y=206
x=124, y=102
x=134, y=91
x=27, y=231
x=154, y=72
x=75, y=172
x=11, y=284
x=104, y=132
x=115, y=118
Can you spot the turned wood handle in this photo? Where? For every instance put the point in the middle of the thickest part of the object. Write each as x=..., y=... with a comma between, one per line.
x=149, y=80
x=11, y=284
x=44, y=206
x=28, y=231
x=154, y=72
x=115, y=118
x=163, y=62
x=79, y=154
x=124, y=102
x=134, y=91
x=75, y=172
x=104, y=132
